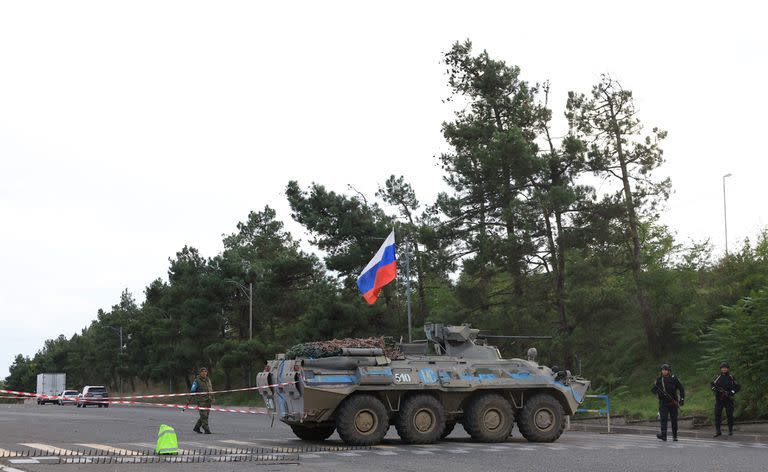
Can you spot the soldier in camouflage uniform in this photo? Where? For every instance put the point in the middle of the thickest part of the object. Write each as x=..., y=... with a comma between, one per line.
x=202, y=384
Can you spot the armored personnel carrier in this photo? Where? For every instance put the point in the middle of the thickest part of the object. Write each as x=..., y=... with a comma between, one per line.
x=453, y=377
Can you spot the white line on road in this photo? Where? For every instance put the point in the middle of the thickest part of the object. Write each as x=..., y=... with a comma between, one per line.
x=113, y=450
x=51, y=449
x=5, y=468
x=152, y=447
x=249, y=443
x=7, y=453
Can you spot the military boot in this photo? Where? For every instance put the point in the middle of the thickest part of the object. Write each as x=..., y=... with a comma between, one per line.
x=663, y=437
x=207, y=431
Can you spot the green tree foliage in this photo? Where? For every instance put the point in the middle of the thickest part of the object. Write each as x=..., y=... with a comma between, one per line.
x=517, y=244
x=608, y=122
x=740, y=338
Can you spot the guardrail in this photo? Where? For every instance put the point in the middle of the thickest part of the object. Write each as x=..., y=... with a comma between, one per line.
x=602, y=411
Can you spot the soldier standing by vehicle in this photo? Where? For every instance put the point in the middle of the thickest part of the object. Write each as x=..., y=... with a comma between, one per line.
x=203, y=384
x=666, y=388
x=725, y=388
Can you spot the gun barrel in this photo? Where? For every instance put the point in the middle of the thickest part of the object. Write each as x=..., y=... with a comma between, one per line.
x=495, y=336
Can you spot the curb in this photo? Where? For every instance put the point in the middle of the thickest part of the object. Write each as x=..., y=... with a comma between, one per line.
x=683, y=433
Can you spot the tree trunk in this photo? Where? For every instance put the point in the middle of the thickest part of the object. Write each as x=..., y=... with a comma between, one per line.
x=637, y=270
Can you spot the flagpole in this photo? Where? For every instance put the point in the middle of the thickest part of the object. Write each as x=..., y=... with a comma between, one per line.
x=408, y=286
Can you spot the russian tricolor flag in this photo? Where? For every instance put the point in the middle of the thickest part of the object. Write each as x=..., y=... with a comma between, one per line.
x=380, y=271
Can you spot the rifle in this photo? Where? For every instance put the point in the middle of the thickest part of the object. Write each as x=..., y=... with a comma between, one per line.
x=725, y=395
x=671, y=401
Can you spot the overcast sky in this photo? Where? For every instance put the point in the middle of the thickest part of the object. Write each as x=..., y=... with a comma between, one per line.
x=129, y=129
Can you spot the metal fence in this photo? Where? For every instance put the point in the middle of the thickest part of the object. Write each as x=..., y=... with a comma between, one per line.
x=602, y=411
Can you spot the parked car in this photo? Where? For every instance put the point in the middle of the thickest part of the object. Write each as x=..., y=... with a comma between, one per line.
x=68, y=396
x=93, y=395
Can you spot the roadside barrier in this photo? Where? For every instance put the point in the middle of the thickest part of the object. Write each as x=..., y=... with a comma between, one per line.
x=137, y=397
x=602, y=411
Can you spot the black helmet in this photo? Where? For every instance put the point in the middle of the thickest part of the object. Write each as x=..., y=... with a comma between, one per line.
x=724, y=364
x=665, y=367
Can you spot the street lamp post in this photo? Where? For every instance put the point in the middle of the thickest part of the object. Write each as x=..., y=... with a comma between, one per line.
x=725, y=214
x=248, y=293
x=119, y=330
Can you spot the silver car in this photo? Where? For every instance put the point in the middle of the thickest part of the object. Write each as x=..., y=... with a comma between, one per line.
x=68, y=396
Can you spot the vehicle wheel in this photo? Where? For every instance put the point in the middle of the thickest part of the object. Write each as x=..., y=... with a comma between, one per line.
x=308, y=433
x=362, y=420
x=448, y=429
x=541, y=419
x=84, y=405
x=421, y=419
x=489, y=418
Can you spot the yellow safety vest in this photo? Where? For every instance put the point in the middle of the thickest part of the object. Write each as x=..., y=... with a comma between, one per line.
x=166, y=441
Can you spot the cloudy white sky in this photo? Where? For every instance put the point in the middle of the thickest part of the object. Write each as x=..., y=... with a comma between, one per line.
x=129, y=129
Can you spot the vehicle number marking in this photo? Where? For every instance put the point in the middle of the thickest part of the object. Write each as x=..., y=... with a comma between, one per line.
x=402, y=377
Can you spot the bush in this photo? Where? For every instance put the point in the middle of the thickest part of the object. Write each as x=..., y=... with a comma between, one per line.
x=740, y=339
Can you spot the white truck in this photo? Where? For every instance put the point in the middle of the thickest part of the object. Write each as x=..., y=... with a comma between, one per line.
x=51, y=385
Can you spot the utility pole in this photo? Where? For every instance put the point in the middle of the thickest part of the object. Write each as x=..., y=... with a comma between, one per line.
x=408, y=286
x=119, y=330
x=725, y=214
x=250, y=312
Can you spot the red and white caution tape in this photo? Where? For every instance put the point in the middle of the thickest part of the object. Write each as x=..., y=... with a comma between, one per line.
x=166, y=395
x=257, y=411
x=136, y=397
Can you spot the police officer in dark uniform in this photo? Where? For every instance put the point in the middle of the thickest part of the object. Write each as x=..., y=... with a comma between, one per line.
x=725, y=388
x=666, y=388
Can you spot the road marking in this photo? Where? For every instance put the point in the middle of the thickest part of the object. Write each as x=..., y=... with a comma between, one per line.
x=113, y=450
x=458, y=451
x=385, y=453
x=250, y=443
x=52, y=449
x=7, y=453
x=5, y=468
x=423, y=452
x=152, y=448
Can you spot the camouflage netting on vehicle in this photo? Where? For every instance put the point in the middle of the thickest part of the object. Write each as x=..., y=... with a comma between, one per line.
x=319, y=349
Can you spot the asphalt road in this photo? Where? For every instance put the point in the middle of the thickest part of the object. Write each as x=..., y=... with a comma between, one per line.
x=32, y=429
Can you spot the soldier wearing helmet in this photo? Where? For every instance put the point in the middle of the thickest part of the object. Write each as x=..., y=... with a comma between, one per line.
x=725, y=388
x=666, y=388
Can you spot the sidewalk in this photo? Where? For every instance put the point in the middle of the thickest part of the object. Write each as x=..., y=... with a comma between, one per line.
x=742, y=436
